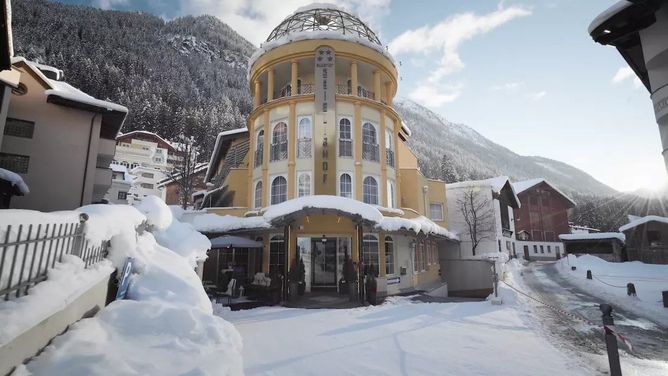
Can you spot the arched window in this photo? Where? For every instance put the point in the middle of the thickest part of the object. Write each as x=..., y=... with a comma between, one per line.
x=346, y=186
x=258, y=195
x=279, y=190
x=279, y=142
x=304, y=185
x=280, y=133
x=370, y=254
x=370, y=189
x=369, y=134
x=345, y=138
x=277, y=255
x=304, y=138
x=390, y=194
x=259, y=148
x=389, y=255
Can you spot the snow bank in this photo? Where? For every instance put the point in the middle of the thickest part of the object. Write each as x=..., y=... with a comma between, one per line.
x=649, y=280
x=15, y=179
x=144, y=338
x=168, y=326
x=66, y=282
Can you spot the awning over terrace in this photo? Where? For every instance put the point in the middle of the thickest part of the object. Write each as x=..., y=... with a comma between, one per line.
x=231, y=241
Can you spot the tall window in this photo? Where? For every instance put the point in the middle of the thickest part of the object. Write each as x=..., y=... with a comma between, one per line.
x=276, y=255
x=279, y=190
x=304, y=138
x=389, y=148
x=370, y=253
x=346, y=186
x=370, y=188
x=279, y=142
x=258, y=195
x=390, y=194
x=369, y=134
x=345, y=138
x=259, y=148
x=389, y=255
x=436, y=212
x=304, y=184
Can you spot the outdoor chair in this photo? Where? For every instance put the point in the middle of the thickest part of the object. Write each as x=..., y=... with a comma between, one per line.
x=229, y=293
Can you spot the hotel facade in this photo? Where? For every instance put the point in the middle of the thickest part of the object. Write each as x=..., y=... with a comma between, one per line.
x=322, y=172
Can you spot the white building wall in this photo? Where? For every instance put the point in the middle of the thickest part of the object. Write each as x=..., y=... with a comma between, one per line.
x=549, y=250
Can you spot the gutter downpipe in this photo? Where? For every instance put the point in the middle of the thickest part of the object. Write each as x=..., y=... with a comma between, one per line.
x=85, y=176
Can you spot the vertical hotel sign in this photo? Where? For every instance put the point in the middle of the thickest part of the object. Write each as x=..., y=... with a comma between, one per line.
x=325, y=84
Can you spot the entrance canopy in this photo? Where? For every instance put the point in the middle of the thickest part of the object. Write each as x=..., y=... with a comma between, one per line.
x=230, y=241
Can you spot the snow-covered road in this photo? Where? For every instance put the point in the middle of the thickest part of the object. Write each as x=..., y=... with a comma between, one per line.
x=649, y=339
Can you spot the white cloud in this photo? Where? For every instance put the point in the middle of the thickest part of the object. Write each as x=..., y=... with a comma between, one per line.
x=447, y=36
x=255, y=19
x=538, y=96
x=109, y=4
x=436, y=95
x=624, y=74
x=508, y=86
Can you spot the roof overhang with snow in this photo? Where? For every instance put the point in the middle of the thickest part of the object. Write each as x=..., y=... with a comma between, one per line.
x=500, y=186
x=619, y=26
x=599, y=236
x=223, y=142
x=641, y=221
x=527, y=184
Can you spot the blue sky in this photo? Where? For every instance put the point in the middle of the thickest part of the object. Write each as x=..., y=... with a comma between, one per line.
x=523, y=73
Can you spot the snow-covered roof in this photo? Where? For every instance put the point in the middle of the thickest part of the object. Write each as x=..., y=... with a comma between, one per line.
x=302, y=24
x=66, y=91
x=595, y=236
x=217, y=223
x=15, y=179
x=522, y=186
x=146, y=133
x=120, y=168
x=496, y=184
x=406, y=129
x=643, y=220
x=608, y=13
x=217, y=146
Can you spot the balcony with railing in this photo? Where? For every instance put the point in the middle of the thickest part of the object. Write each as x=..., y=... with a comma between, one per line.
x=304, y=148
x=389, y=157
x=345, y=148
x=279, y=151
x=370, y=152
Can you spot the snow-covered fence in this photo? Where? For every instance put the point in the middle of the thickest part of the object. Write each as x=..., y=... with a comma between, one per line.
x=28, y=251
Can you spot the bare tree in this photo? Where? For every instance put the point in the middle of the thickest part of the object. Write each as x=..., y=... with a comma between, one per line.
x=183, y=173
x=478, y=215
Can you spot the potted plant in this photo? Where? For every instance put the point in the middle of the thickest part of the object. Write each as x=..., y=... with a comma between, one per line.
x=350, y=274
x=371, y=285
x=301, y=284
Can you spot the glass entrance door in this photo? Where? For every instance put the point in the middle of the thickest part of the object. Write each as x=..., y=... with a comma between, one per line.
x=323, y=266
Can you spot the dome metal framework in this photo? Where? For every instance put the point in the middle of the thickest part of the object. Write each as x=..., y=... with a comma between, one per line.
x=324, y=19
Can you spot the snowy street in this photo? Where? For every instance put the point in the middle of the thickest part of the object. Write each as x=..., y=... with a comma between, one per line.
x=648, y=338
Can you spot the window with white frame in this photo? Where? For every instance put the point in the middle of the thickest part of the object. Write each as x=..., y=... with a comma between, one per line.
x=345, y=186
x=436, y=211
x=370, y=151
x=345, y=138
x=277, y=254
x=390, y=194
x=304, y=184
x=259, y=148
x=279, y=142
x=279, y=190
x=419, y=262
x=370, y=190
x=370, y=253
x=389, y=255
x=257, y=202
x=304, y=138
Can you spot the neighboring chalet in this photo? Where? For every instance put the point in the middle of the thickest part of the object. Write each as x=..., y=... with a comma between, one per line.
x=647, y=239
x=606, y=245
x=496, y=201
x=541, y=219
x=57, y=138
x=321, y=173
x=150, y=158
x=171, y=187
x=121, y=183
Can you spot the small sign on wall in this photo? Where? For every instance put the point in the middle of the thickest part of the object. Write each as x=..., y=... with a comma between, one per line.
x=393, y=281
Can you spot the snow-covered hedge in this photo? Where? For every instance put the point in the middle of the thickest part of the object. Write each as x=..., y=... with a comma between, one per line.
x=167, y=326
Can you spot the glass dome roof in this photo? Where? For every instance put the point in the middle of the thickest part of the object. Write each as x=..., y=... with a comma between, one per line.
x=324, y=18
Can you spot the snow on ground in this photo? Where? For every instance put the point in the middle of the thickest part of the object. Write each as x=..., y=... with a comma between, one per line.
x=166, y=328
x=398, y=337
x=649, y=280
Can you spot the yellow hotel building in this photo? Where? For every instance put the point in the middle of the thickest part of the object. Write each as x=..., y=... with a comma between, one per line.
x=322, y=170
